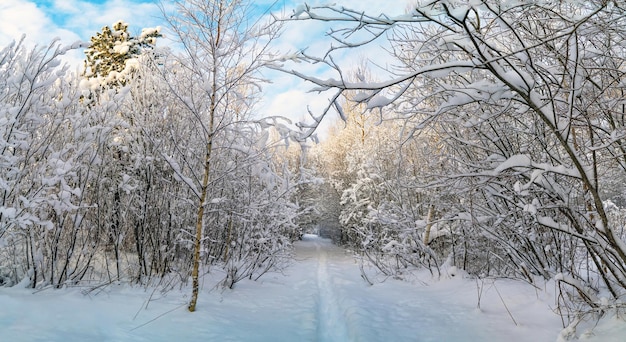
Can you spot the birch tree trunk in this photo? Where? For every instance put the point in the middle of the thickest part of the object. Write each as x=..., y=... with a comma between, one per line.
x=207, y=165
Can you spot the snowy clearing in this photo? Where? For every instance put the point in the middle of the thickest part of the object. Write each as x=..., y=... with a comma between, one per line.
x=321, y=297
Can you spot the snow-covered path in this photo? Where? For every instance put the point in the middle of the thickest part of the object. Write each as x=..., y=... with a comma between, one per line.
x=331, y=325
x=349, y=310
x=321, y=297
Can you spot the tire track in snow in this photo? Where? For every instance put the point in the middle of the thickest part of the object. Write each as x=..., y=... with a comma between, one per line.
x=331, y=323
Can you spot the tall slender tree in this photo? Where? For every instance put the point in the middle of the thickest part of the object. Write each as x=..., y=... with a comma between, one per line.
x=223, y=52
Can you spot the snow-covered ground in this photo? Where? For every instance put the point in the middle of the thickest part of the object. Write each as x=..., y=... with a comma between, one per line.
x=321, y=297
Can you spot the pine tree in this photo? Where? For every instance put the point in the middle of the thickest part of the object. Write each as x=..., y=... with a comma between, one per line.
x=112, y=54
x=115, y=59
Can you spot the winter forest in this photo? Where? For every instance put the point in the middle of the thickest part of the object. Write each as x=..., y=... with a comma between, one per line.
x=492, y=145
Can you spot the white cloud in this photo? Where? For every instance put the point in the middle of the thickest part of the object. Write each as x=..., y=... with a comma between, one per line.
x=92, y=17
x=70, y=20
x=293, y=104
x=21, y=17
x=66, y=6
x=86, y=18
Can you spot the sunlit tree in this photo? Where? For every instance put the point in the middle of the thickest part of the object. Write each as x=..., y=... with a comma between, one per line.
x=112, y=54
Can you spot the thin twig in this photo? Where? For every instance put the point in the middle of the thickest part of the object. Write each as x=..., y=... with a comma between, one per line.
x=157, y=317
x=503, y=303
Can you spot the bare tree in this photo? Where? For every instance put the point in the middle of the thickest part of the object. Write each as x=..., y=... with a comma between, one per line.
x=223, y=52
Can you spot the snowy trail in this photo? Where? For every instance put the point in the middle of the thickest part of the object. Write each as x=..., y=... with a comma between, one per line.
x=320, y=298
x=331, y=324
x=350, y=310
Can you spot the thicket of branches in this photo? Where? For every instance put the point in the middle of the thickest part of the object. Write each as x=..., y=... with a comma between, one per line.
x=150, y=165
x=504, y=142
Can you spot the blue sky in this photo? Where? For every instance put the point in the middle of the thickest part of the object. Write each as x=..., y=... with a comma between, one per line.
x=74, y=20
x=40, y=19
x=70, y=20
x=62, y=18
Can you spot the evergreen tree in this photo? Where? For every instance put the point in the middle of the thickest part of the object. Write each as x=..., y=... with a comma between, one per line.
x=112, y=54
